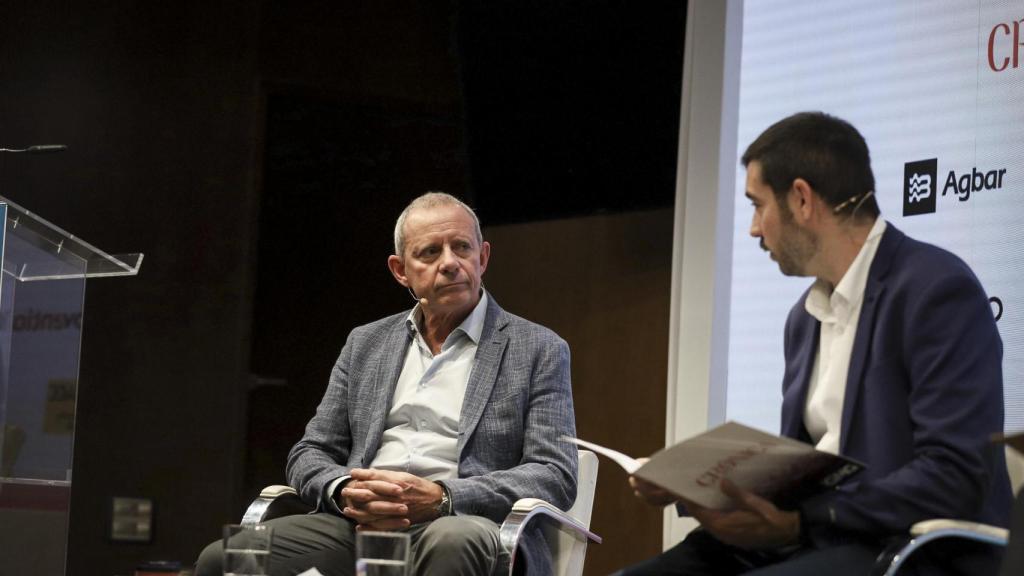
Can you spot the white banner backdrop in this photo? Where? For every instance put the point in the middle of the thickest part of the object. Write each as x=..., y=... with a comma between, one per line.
x=937, y=89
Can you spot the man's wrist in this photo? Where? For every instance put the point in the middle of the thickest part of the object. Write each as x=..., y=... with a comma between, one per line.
x=802, y=535
x=444, y=507
x=336, y=497
x=794, y=527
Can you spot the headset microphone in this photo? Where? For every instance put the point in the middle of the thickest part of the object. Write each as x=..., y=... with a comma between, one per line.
x=422, y=301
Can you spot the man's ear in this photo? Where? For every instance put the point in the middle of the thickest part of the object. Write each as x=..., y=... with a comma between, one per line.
x=485, y=256
x=802, y=199
x=397, y=267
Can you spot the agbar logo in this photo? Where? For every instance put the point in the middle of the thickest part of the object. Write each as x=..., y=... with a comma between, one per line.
x=1005, y=45
x=919, y=186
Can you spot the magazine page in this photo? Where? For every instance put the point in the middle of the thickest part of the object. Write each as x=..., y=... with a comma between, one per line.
x=779, y=469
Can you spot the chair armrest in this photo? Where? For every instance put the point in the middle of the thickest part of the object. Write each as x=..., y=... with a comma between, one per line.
x=527, y=510
x=273, y=502
x=943, y=527
x=890, y=560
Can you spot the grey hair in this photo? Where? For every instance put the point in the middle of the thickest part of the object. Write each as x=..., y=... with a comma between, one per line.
x=431, y=200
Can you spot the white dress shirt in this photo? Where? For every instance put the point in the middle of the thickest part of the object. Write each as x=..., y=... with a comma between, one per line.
x=838, y=311
x=422, y=428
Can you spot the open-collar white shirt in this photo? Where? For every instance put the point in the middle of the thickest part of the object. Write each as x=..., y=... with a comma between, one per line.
x=838, y=311
x=422, y=428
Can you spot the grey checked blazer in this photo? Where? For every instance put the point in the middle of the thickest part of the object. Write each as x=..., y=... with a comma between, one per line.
x=518, y=404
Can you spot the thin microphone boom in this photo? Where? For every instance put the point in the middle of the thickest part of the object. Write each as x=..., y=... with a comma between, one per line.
x=422, y=301
x=37, y=149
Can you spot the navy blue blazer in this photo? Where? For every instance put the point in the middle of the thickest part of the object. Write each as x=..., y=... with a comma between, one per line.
x=924, y=394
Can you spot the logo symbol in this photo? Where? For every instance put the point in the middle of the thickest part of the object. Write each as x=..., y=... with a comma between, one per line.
x=919, y=187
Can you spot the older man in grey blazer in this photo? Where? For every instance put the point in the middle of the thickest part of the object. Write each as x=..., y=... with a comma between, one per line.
x=435, y=420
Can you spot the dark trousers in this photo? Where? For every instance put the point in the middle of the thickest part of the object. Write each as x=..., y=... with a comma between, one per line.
x=700, y=554
x=1013, y=563
x=453, y=545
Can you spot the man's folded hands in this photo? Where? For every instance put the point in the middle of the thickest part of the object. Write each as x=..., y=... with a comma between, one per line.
x=387, y=500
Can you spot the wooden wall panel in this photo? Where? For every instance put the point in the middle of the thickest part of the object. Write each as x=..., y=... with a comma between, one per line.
x=602, y=283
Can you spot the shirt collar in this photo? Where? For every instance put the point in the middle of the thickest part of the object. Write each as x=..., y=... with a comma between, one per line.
x=472, y=326
x=828, y=304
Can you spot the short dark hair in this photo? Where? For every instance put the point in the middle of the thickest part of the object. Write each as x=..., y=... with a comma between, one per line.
x=827, y=152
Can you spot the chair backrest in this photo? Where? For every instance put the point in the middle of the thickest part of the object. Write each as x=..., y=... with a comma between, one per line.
x=569, y=552
x=1015, y=466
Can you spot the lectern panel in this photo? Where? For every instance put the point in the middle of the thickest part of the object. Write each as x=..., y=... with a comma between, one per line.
x=40, y=340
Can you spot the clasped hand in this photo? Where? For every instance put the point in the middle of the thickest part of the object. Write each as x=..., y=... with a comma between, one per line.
x=755, y=523
x=386, y=500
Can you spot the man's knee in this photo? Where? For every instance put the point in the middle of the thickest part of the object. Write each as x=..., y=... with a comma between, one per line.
x=456, y=532
x=210, y=562
x=459, y=545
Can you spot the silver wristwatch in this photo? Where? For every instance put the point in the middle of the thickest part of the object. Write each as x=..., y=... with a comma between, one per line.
x=444, y=507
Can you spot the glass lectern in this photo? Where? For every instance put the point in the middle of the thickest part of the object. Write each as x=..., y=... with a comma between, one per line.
x=42, y=295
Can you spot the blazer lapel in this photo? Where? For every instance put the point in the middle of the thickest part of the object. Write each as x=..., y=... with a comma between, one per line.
x=389, y=367
x=795, y=397
x=486, y=366
x=859, y=356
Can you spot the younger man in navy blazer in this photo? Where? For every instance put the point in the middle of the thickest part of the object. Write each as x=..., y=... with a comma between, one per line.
x=892, y=358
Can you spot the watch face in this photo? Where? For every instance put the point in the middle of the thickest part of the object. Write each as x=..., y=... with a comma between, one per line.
x=444, y=507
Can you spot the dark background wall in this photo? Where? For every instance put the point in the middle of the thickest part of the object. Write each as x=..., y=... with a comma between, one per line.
x=258, y=152
x=159, y=104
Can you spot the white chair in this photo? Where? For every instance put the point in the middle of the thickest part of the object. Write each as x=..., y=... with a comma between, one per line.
x=567, y=533
x=893, y=557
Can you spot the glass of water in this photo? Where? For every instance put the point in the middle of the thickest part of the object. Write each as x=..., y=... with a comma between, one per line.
x=382, y=553
x=247, y=549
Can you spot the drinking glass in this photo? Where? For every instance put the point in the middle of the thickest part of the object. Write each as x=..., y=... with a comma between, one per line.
x=247, y=549
x=382, y=553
